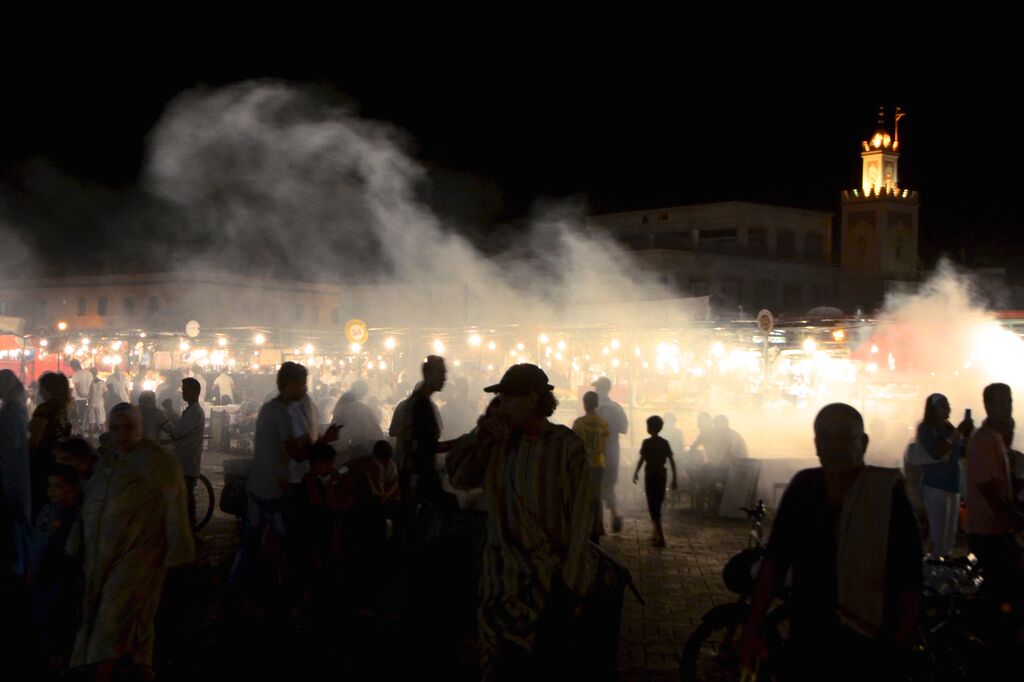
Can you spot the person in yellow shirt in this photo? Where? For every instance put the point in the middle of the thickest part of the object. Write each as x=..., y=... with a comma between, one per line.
x=593, y=430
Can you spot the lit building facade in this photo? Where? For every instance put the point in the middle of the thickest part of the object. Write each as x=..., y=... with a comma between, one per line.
x=879, y=224
x=168, y=301
x=745, y=256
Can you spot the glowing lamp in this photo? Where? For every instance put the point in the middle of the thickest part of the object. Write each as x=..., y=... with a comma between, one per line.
x=475, y=340
x=390, y=343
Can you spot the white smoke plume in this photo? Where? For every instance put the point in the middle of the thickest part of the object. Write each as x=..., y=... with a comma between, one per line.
x=264, y=171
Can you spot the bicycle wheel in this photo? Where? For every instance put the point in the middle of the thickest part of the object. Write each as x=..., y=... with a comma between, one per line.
x=711, y=652
x=204, y=502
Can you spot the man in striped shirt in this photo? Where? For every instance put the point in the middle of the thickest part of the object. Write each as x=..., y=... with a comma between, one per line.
x=540, y=499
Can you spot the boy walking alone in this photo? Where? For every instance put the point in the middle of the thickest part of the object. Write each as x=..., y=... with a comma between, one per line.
x=654, y=452
x=593, y=431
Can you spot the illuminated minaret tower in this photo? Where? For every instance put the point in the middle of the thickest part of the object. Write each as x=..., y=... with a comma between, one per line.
x=878, y=237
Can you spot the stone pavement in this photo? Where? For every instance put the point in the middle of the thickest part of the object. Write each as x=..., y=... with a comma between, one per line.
x=680, y=582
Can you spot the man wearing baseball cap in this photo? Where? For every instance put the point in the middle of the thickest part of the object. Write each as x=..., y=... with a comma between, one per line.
x=615, y=416
x=540, y=498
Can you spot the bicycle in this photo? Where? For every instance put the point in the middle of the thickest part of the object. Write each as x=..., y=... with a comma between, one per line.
x=712, y=651
x=205, y=501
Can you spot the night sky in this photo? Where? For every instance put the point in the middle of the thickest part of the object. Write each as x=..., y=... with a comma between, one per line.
x=499, y=141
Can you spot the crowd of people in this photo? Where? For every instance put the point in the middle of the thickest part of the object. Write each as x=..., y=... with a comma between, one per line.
x=99, y=505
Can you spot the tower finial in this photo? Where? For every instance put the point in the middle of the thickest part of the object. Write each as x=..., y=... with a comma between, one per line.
x=896, y=125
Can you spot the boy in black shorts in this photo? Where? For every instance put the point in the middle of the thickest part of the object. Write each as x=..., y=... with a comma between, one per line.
x=655, y=451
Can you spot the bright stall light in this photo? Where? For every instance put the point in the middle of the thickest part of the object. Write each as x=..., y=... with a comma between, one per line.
x=615, y=344
x=142, y=335
x=85, y=341
x=390, y=343
x=810, y=345
x=839, y=335
x=438, y=346
x=222, y=341
x=561, y=345
x=615, y=362
x=382, y=365
x=62, y=326
x=492, y=345
x=232, y=362
x=116, y=345
x=69, y=349
x=370, y=365
x=520, y=346
x=309, y=349
x=558, y=356
x=183, y=346
x=475, y=340
x=259, y=339
x=717, y=349
x=355, y=348
x=44, y=343
x=544, y=338
x=606, y=350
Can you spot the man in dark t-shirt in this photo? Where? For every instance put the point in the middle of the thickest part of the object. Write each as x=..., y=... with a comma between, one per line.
x=424, y=437
x=823, y=533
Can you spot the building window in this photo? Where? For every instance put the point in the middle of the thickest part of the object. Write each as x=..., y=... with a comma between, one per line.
x=793, y=297
x=814, y=245
x=154, y=304
x=757, y=240
x=698, y=286
x=82, y=305
x=763, y=295
x=335, y=316
x=129, y=306
x=643, y=220
x=785, y=244
x=101, y=306
x=664, y=217
x=732, y=289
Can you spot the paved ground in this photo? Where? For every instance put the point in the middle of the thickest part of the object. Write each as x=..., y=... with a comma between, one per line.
x=680, y=582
